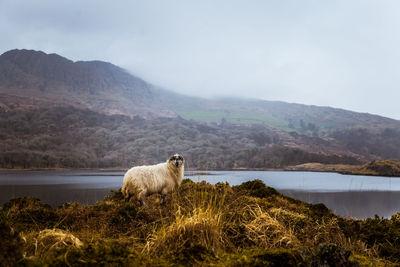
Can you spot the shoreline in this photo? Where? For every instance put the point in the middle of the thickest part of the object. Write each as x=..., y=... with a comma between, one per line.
x=384, y=168
x=125, y=169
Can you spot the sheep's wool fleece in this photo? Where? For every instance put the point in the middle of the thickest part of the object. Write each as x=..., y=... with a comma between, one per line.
x=153, y=179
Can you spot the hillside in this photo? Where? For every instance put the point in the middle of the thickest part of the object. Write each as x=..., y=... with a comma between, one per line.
x=311, y=120
x=200, y=225
x=35, y=79
x=31, y=79
x=388, y=168
x=68, y=137
x=60, y=113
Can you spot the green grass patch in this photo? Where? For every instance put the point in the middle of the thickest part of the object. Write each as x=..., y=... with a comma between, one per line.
x=233, y=117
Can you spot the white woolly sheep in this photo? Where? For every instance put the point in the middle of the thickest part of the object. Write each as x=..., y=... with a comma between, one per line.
x=162, y=178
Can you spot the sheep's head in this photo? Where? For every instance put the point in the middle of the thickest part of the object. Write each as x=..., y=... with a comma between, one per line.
x=176, y=160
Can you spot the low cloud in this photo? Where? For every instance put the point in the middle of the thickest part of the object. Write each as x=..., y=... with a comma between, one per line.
x=342, y=54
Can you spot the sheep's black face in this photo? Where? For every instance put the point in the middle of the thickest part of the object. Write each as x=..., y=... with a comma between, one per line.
x=177, y=160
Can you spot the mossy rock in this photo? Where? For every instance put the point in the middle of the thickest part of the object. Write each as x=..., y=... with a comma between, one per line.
x=10, y=246
x=370, y=262
x=385, y=234
x=319, y=210
x=29, y=213
x=98, y=253
x=268, y=257
x=124, y=215
x=327, y=255
x=350, y=227
x=276, y=257
x=187, y=182
x=238, y=236
x=193, y=255
x=188, y=186
x=383, y=167
x=396, y=218
x=256, y=188
x=115, y=195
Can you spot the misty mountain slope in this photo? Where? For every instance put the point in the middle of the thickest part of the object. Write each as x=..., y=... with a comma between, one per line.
x=75, y=138
x=305, y=119
x=30, y=79
x=60, y=113
x=33, y=78
x=286, y=116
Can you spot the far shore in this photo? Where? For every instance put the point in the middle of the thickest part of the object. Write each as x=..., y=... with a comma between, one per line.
x=387, y=168
x=125, y=169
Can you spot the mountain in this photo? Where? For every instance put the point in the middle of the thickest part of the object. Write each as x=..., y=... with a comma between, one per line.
x=286, y=116
x=34, y=79
x=74, y=138
x=60, y=113
x=31, y=78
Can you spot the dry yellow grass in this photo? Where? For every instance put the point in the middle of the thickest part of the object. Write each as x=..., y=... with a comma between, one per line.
x=201, y=228
x=267, y=232
x=200, y=224
x=288, y=216
x=48, y=240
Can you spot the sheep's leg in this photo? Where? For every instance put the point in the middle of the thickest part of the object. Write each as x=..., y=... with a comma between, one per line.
x=141, y=200
x=141, y=196
x=127, y=196
x=162, y=201
x=125, y=193
x=164, y=193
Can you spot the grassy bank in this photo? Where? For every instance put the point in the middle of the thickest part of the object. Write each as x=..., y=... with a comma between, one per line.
x=387, y=168
x=202, y=224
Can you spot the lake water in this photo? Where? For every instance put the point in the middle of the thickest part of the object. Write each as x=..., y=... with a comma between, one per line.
x=347, y=195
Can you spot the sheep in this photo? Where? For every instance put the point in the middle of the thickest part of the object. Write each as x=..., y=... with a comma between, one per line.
x=162, y=178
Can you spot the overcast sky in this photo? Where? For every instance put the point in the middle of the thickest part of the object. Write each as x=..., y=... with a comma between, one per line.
x=333, y=53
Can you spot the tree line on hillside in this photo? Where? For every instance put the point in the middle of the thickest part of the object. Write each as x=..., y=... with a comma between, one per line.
x=66, y=137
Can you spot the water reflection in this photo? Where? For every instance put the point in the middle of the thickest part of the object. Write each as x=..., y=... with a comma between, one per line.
x=357, y=204
x=55, y=195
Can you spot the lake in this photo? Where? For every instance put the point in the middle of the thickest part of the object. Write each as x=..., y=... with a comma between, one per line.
x=346, y=195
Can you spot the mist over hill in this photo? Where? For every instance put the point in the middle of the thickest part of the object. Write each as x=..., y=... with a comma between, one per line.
x=60, y=113
x=34, y=79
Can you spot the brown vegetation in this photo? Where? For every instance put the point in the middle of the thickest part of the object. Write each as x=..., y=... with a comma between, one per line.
x=381, y=168
x=66, y=137
x=56, y=113
x=388, y=168
x=201, y=224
